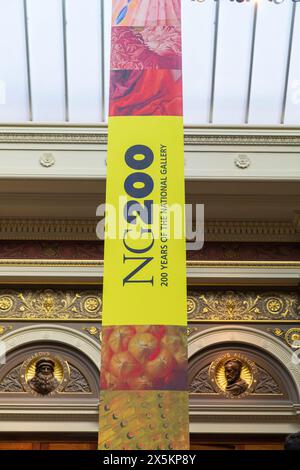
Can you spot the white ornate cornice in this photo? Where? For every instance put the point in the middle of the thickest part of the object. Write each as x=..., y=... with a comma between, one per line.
x=204, y=135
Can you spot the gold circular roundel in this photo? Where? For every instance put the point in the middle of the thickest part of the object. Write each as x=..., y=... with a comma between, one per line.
x=6, y=303
x=274, y=306
x=61, y=371
x=218, y=378
x=292, y=337
x=191, y=305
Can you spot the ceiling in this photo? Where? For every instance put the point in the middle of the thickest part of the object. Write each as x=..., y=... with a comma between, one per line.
x=241, y=61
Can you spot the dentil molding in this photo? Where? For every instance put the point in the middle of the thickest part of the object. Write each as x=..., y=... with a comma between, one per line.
x=85, y=230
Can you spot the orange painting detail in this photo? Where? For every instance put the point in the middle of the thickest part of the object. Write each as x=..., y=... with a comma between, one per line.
x=144, y=358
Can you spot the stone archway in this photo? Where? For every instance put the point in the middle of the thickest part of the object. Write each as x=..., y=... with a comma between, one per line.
x=53, y=333
x=58, y=416
x=250, y=336
x=242, y=417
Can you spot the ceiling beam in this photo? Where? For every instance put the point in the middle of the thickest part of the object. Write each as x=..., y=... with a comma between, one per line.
x=65, y=49
x=28, y=70
x=214, y=64
x=253, y=40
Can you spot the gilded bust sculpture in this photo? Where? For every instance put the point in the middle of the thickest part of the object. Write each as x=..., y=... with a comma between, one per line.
x=44, y=381
x=235, y=384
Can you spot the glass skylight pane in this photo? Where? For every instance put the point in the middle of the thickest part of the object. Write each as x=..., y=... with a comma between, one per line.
x=233, y=62
x=85, y=65
x=292, y=115
x=47, y=65
x=270, y=58
x=84, y=60
x=13, y=76
x=198, y=34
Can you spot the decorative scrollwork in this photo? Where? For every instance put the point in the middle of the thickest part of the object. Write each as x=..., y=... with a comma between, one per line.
x=77, y=382
x=191, y=331
x=50, y=304
x=245, y=306
x=291, y=336
x=4, y=329
x=94, y=331
x=11, y=382
x=208, y=306
x=201, y=384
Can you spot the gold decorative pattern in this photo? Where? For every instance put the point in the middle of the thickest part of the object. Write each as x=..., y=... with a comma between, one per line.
x=191, y=331
x=191, y=305
x=278, y=332
x=292, y=337
x=274, y=306
x=253, y=264
x=50, y=304
x=94, y=331
x=243, y=306
x=4, y=329
x=203, y=306
x=70, y=263
x=6, y=303
x=92, y=304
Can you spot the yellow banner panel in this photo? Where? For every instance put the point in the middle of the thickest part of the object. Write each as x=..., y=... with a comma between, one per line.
x=145, y=264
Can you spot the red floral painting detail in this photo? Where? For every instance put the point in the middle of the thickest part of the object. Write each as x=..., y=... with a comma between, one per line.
x=146, y=12
x=151, y=48
x=146, y=93
x=144, y=358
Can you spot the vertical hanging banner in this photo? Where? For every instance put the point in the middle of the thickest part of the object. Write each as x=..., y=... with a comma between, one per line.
x=144, y=397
